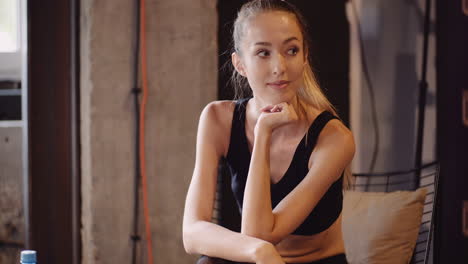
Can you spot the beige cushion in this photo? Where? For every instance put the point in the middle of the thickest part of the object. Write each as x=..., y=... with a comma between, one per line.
x=381, y=227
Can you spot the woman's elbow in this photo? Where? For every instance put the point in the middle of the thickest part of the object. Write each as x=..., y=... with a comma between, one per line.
x=187, y=239
x=193, y=235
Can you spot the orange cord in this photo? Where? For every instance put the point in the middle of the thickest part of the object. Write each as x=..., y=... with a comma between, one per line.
x=142, y=130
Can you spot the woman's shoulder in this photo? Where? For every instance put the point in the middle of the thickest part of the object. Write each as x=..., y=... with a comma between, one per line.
x=334, y=143
x=336, y=133
x=220, y=107
x=217, y=115
x=216, y=118
x=219, y=111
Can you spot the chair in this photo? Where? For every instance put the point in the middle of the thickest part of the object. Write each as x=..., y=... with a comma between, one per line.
x=426, y=177
x=227, y=215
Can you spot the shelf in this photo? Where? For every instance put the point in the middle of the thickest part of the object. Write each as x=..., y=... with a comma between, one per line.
x=10, y=92
x=11, y=123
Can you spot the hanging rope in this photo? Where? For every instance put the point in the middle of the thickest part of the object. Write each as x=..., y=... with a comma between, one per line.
x=140, y=109
x=135, y=237
x=144, y=81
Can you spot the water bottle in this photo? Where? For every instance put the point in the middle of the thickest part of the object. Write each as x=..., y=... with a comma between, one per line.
x=28, y=257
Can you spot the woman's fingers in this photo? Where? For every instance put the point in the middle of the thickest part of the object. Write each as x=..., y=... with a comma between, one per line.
x=274, y=108
x=267, y=109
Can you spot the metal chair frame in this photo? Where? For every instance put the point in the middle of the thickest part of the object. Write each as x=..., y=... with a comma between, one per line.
x=427, y=176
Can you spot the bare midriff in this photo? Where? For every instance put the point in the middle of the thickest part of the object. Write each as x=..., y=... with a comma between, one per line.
x=300, y=249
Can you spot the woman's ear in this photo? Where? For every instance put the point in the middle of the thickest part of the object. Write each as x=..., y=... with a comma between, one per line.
x=306, y=58
x=237, y=63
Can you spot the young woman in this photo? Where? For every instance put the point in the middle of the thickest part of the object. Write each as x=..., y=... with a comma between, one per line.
x=285, y=147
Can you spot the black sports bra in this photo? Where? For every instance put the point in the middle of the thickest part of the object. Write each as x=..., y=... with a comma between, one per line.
x=238, y=157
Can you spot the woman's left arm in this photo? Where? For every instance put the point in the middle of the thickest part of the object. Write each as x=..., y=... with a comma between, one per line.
x=333, y=152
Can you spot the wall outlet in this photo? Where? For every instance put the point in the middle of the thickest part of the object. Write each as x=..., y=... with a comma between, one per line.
x=465, y=218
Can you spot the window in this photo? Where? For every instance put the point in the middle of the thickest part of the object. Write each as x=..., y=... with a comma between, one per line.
x=9, y=26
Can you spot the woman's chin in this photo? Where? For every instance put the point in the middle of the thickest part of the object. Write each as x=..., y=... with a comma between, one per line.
x=276, y=98
x=284, y=98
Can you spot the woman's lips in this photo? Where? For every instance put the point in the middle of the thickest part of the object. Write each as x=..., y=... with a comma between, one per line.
x=279, y=84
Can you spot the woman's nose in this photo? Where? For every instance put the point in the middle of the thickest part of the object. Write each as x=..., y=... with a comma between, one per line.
x=279, y=64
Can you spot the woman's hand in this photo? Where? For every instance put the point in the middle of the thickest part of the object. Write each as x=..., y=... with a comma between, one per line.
x=272, y=260
x=274, y=116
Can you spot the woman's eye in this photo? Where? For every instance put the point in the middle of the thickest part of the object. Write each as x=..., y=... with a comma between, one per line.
x=293, y=51
x=263, y=53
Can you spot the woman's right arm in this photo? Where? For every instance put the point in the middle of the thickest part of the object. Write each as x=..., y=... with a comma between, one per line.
x=200, y=235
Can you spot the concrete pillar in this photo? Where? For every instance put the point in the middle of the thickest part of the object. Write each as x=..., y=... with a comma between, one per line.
x=11, y=192
x=182, y=72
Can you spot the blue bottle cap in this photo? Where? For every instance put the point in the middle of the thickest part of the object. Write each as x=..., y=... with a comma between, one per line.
x=28, y=256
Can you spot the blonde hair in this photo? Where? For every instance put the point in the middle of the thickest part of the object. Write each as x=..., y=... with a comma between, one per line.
x=310, y=93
